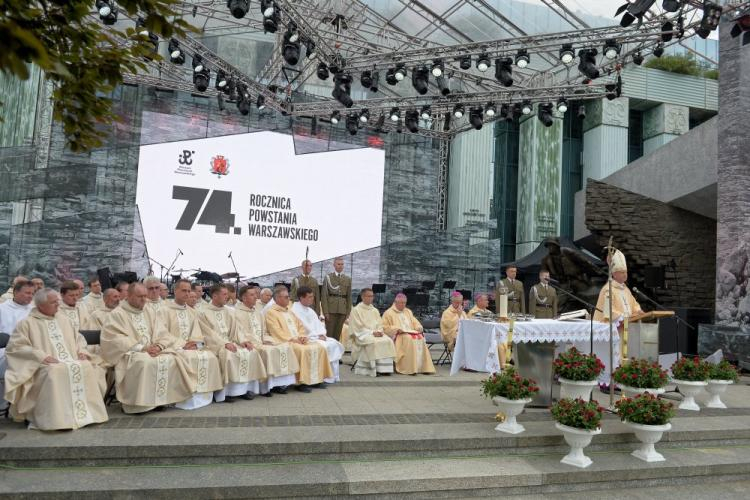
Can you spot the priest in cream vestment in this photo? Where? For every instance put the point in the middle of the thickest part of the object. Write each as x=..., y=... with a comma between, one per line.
x=481, y=304
x=94, y=300
x=278, y=357
x=283, y=326
x=97, y=318
x=50, y=381
x=153, y=290
x=412, y=355
x=148, y=372
x=315, y=329
x=70, y=307
x=450, y=318
x=242, y=368
x=372, y=350
x=182, y=323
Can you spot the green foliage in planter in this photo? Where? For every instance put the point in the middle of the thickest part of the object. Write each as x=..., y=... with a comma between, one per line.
x=510, y=385
x=641, y=373
x=574, y=365
x=578, y=413
x=645, y=409
x=691, y=370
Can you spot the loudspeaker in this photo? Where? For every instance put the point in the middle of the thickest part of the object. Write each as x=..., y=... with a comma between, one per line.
x=653, y=276
x=127, y=277
x=105, y=278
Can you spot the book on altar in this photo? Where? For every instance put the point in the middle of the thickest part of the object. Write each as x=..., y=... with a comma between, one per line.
x=569, y=316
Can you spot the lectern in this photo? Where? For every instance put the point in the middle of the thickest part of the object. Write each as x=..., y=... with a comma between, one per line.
x=643, y=334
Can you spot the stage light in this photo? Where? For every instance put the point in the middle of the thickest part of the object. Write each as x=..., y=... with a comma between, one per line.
x=267, y=8
x=670, y=5
x=666, y=31
x=611, y=49
x=202, y=79
x=238, y=8
x=243, y=104
x=475, y=118
x=394, y=114
x=400, y=73
x=638, y=58
x=176, y=56
x=581, y=113
x=464, y=62
x=505, y=112
x=522, y=58
x=633, y=11
x=420, y=80
x=351, y=123
x=335, y=117
x=659, y=50
x=442, y=83
x=587, y=63
x=322, y=71
x=197, y=63
x=379, y=124
x=107, y=11
x=437, y=68
x=342, y=89
x=271, y=23
x=526, y=107
x=426, y=112
x=291, y=48
x=390, y=76
x=309, y=49
x=375, y=81
x=140, y=26
x=366, y=79
x=710, y=21
x=504, y=71
x=458, y=110
x=562, y=105
x=544, y=113
x=490, y=109
x=567, y=54
x=260, y=102
x=411, y=120
x=221, y=80
x=364, y=115
x=483, y=63
x=291, y=29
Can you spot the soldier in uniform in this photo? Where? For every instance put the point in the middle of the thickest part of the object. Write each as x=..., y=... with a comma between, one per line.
x=543, y=298
x=306, y=279
x=336, y=301
x=516, y=299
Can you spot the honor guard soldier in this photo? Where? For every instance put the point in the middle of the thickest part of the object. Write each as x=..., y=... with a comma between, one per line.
x=336, y=301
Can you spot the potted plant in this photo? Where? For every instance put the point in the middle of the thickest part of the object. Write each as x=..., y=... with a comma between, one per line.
x=579, y=420
x=720, y=376
x=637, y=376
x=649, y=418
x=510, y=392
x=690, y=375
x=578, y=373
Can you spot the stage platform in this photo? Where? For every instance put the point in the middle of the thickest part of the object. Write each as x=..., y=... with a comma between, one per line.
x=390, y=437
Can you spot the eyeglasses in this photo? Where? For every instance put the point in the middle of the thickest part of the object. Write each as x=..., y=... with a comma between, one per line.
x=154, y=288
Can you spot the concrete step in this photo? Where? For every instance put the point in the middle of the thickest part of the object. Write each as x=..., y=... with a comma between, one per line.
x=455, y=477
x=156, y=443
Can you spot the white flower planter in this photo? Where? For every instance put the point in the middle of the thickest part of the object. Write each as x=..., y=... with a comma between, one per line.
x=512, y=408
x=648, y=435
x=632, y=392
x=689, y=390
x=574, y=389
x=578, y=439
x=716, y=388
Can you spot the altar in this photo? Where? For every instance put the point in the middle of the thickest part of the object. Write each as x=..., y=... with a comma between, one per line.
x=535, y=345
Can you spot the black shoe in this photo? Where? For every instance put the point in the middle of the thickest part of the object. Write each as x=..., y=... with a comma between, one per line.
x=280, y=390
x=160, y=408
x=229, y=399
x=269, y=394
x=304, y=388
x=385, y=374
x=249, y=396
x=321, y=385
x=341, y=362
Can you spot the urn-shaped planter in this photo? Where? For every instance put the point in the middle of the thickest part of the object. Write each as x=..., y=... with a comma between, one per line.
x=648, y=435
x=631, y=392
x=689, y=389
x=577, y=439
x=512, y=408
x=716, y=388
x=574, y=389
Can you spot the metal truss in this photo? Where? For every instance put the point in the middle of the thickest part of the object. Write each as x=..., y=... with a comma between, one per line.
x=442, y=198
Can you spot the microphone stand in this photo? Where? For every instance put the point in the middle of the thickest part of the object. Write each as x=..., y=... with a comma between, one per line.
x=237, y=278
x=661, y=307
x=162, y=266
x=590, y=307
x=177, y=256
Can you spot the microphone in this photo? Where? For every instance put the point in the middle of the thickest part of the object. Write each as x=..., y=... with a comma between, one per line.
x=553, y=281
x=639, y=292
x=229, y=256
x=180, y=251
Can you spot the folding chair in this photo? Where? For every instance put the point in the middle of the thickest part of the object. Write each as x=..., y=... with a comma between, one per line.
x=4, y=337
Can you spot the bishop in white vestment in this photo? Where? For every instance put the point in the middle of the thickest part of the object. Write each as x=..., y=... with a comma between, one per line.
x=315, y=329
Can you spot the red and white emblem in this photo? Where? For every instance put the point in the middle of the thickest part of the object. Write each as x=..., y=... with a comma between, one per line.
x=219, y=165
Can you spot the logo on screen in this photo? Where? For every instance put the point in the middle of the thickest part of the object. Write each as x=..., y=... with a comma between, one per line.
x=219, y=165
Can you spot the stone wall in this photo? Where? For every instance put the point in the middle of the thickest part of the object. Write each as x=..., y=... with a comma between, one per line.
x=652, y=233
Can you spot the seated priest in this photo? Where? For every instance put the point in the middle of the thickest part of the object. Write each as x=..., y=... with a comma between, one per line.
x=624, y=304
x=8, y=295
x=543, y=298
x=163, y=291
x=241, y=365
x=283, y=326
x=122, y=288
x=412, y=355
x=278, y=357
x=315, y=329
x=94, y=299
x=148, y=372
x=481, y=306
x=71, y=308
x=198, y=291
x=372, y=350
x=50, y=381
x=11, y=312
x=153, y=289
x=182, y=324
x=192, y=301
x=450, y=318
x=111, y=299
